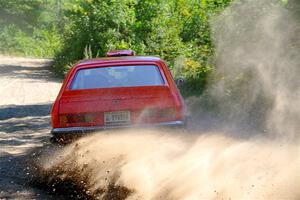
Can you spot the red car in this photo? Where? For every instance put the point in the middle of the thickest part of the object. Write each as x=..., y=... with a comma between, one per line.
x=120, y=90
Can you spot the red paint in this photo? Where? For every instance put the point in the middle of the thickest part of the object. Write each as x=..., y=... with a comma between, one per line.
x=147, y=104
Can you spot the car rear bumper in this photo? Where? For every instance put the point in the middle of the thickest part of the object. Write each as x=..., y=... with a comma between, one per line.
x=81, y=130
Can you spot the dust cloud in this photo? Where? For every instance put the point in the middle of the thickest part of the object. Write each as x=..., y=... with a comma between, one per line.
x=254, y=88
x=155, y=165
x=258, y=45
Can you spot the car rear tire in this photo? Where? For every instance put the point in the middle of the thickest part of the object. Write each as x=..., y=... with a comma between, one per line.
x=59, y=141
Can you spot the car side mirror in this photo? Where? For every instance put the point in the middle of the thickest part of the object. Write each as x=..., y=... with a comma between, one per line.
x=179, y=82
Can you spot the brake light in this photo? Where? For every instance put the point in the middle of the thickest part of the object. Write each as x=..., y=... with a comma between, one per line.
x=63, y=120
x=54, y=114
x=158, y=114
x=75, y=118
x=117, y=53
x=168, y=113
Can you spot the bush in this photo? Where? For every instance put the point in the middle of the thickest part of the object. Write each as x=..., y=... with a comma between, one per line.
x=71, y=30
x=168, y=29
x=42, y=43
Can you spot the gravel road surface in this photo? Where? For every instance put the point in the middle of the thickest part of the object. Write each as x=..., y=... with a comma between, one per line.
x=27, y=90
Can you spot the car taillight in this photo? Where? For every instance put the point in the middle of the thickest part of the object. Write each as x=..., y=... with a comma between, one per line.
x=154, y=114
x=75, y=118
x=54, y=114
x=63, y=120
x=168, y=113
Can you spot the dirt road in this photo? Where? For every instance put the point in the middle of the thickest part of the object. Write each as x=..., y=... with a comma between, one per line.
x=27, y=89
x=223, y=165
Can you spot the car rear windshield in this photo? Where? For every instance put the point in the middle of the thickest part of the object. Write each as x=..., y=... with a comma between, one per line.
x=117, y=76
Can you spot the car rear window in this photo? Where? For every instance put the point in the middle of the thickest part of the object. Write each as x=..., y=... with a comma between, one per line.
x=117, y=76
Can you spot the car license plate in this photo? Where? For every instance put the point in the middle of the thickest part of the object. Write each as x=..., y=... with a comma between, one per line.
x=117, y=118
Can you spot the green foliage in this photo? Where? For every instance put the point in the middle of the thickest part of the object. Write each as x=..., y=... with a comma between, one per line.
x=168, y=29
x=23, y=14
x=42, y=43
x=29, y=28
x=178, y=31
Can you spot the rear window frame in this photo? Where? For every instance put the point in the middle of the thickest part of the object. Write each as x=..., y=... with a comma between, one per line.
x=103, y=65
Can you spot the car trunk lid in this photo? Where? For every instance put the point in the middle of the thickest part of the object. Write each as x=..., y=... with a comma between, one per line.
x=94, y=107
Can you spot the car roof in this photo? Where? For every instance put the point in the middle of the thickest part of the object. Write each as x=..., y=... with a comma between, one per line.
x=117, y=59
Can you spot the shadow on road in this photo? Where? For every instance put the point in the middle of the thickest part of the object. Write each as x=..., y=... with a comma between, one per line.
x=21, y=125
x=26, y=72
x=27, y=90
x=19, y=111
x=16, y=174
x=23, y=128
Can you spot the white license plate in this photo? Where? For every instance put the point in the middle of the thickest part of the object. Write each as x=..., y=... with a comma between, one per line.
x=117, y=118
